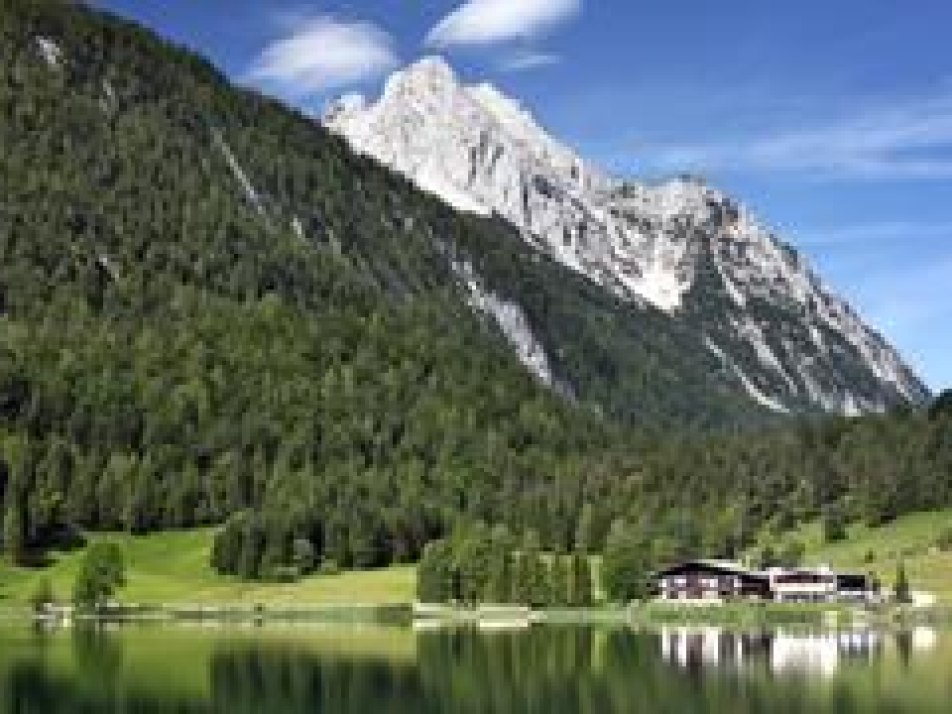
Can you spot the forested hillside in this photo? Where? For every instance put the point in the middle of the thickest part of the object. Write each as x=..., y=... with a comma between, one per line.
x=186, y=333
x=209, y=306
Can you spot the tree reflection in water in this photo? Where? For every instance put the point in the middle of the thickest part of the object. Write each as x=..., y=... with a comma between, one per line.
x=550, y=670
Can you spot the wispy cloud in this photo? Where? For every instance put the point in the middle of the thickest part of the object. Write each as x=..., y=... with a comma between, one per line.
x=323, y=53
x=911, y=139
x=485, y=22
x=523, y=61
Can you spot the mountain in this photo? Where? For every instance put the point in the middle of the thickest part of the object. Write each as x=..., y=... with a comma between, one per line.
x=680, y=248
x=213, y=310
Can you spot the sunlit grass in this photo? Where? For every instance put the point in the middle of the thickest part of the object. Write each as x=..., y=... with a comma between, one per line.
x=173, y=567
x=911, y=539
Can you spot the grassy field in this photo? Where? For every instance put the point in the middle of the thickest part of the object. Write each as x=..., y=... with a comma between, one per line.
x=910, y=538
x=172, y=567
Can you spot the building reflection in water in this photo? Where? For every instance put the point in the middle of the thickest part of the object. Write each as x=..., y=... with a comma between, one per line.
x=785, y=651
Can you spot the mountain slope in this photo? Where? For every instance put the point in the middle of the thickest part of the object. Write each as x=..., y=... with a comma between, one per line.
x=212, y=309
x=209, y=303
x=774, y=329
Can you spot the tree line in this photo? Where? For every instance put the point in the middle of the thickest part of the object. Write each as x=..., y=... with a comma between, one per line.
x=478, y=564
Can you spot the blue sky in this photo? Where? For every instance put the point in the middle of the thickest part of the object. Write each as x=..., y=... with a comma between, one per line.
x=832, y=119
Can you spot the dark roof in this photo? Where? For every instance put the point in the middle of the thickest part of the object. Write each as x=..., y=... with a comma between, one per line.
x=711, y=566
x=854, y=581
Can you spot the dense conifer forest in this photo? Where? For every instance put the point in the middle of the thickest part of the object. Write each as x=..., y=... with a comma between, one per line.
x=212, y=312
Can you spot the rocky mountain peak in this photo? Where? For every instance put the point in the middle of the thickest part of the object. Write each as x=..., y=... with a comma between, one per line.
x=680, y=246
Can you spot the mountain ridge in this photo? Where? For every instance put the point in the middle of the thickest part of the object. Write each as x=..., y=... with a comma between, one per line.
x=677, y=245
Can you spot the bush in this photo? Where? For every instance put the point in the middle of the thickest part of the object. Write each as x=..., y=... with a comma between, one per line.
x=834, y=523
x=792, y=554
x=303, y=555
x=944, y=541
x=42, y=596
x=101, y=572
x=903, y=590
x=329, y=567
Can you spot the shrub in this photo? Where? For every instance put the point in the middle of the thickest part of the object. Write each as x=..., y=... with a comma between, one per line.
x=42, y=596
x=101, y=572
x=944, y=541
x=329, y=567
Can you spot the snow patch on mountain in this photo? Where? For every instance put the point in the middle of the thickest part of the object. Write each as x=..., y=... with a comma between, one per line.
x=52, y=53
x=658, y=245
x=512, y=322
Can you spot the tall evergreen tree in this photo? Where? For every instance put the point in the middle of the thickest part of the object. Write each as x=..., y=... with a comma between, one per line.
x=435, y=573
x=14, y=536
x=902, y=590
x=581, y=581
x=626, y=564
x=560, y=594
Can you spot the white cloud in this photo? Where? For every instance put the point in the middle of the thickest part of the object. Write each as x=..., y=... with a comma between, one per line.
x=484, y=22
x=911, y=139
x=527, y=60
x=323, y=53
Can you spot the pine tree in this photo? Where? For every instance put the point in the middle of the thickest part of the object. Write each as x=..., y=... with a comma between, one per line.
x=474, y=556
x=581, y=581
x=559, y=583
x=101, y=571
x=435, y=573
x=626, y=564
x=42, y=595
x=585, y=531
x=903, y=591
x=501, y=585
x=14, y=538
x=535, y=572
x=834, y=523
x=521, y=579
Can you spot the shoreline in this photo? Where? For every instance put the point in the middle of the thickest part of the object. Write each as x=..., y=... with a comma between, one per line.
x=424, y=617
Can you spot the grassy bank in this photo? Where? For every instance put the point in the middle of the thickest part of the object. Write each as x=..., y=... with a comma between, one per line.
x=744, y=614
x=172, y=567
x=911, y=538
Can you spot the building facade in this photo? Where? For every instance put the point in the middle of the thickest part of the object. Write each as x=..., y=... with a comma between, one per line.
x=713, y=581
x=710, y=581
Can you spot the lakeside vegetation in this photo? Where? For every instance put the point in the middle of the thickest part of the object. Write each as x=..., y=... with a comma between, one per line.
x=919, y=541
x=173, y=568
x=174, y=354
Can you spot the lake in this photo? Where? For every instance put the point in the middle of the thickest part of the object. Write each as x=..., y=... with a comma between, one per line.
x=549, y=670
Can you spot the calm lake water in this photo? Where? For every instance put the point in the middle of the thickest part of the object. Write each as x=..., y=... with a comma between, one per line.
x=549, y=670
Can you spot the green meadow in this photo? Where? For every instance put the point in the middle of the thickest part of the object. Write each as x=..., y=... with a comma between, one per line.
x=172, y=567
x=912, y=539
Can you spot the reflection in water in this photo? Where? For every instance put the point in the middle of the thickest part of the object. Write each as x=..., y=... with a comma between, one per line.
x=551, y=670
x=785, y=652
